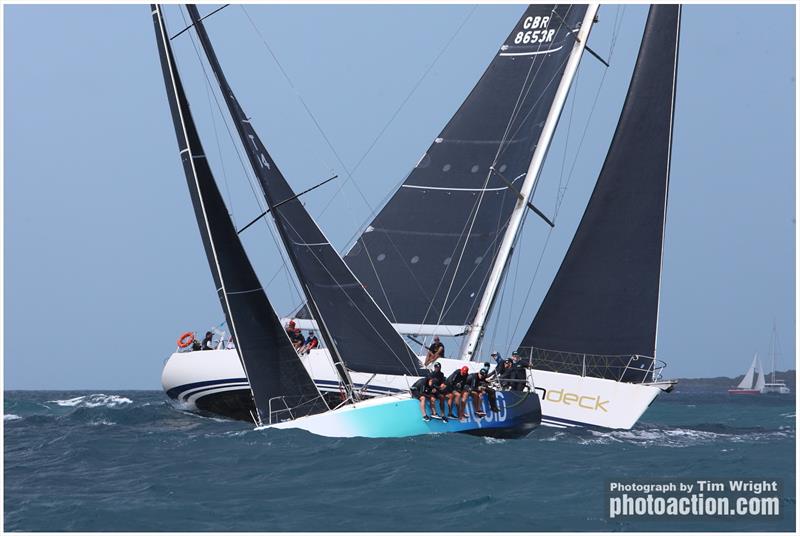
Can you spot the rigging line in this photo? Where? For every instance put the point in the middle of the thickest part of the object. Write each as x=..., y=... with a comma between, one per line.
x=560, y=197
x=489, y=247
x=350, y=299
x=466, y=241
x=374, y=211
x=192, y=24
x=497, y=316
x=378, y=278
x=219, y=153
x=250, y=178
x=403, y=103
x=557, y=75
x=575, y=88
x=473, y=211
x=518, y=253
x=362, y=228
x=302, y=102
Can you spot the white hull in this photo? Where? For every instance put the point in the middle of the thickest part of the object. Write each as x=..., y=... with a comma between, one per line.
x=567, y=400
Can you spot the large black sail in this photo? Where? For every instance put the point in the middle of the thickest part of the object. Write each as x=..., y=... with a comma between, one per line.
x=604, y=298
x=270, y=362
x=355, y=329
x=426, y=256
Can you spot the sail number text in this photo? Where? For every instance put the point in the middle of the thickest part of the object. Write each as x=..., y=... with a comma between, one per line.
x=534, y=30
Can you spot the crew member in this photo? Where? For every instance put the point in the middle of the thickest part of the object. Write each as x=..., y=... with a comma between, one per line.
x=435, y=351
x=458, y=391
x=442, y=390
x=478, y=384
x=517, y=373
x=430, y=392
x=290, y=330
x=207, y=343
x=422, y=390
x=297, y=339
x=310, y=343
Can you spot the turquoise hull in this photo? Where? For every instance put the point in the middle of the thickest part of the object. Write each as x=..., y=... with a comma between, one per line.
x=399, y=416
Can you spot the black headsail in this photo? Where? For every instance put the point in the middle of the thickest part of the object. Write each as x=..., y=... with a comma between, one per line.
x=273, y=369
x=604, y=299
x=426, y=256
x=357, y=333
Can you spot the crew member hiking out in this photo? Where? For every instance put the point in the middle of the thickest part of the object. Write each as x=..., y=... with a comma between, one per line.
x=442, y=390
x=423, y=390
x=458, y=391
x=478, y=385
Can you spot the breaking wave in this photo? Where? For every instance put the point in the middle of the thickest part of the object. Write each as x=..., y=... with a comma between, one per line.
x=11, y=417
x=93, y=401
x=686, y=437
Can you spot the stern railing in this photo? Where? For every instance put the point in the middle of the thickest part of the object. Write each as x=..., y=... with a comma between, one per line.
x=622, y=368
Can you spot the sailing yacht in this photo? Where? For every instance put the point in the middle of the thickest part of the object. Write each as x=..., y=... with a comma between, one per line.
x=283, y=394
x=752, y=383
x=774, y=387
x=591, y=348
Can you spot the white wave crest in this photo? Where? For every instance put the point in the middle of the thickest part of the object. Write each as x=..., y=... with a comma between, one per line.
x=101, y=422
x=94, y=401
x=680, y=437
x=11, y=417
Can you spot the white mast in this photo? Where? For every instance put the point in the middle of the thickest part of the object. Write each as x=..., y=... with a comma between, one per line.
x=515, y=221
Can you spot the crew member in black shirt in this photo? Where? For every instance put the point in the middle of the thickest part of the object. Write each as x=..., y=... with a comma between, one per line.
x=441, y=388
x=478, y=384
x=459, y=392
x=435, y=351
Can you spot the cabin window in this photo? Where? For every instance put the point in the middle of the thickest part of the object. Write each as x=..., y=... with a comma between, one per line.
x=475, y=168
x=381, y=257
x=414, y=259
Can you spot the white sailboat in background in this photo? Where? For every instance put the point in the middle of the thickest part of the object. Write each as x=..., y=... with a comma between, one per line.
x=753, y=382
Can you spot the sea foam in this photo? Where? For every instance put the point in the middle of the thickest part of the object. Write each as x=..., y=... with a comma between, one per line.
x=93, y=401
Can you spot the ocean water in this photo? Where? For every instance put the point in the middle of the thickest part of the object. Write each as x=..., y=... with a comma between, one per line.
x=130, y=461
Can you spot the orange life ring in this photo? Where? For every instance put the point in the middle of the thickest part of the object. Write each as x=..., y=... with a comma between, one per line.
x=186, y=339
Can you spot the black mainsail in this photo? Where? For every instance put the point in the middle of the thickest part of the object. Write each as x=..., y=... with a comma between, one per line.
x=604, y=299
x=427, y=255
x=357, y=333
x=278, y=379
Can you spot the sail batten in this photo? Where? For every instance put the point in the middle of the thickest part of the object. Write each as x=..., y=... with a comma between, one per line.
x=604, y=297
x=273, y=369
x=357, y=333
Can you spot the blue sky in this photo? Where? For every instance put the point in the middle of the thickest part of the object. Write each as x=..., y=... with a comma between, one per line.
x=104, y=266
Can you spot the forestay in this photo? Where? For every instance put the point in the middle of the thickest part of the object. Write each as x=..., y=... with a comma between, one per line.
x=356, y=331
x=604, y=298
x=277, y=377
